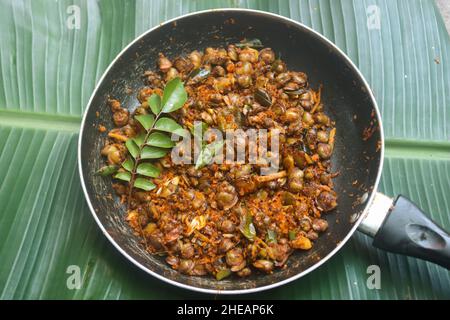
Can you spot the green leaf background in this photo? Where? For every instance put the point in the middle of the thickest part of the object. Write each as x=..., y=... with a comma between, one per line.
x=48, y=71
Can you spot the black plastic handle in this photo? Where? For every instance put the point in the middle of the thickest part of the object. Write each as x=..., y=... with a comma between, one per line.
x=407, y=230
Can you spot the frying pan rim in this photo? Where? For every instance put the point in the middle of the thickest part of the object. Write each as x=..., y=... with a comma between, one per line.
x=279, y=283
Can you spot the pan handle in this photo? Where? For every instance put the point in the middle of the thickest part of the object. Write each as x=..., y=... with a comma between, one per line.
x=399, y=226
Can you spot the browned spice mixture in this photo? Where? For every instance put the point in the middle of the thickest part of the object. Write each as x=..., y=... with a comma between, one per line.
x=228, y=218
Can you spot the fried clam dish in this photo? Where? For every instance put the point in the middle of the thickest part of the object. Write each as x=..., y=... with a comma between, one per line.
x=222, y=219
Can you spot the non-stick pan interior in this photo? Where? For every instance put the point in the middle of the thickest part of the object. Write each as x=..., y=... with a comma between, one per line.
x=346, y=98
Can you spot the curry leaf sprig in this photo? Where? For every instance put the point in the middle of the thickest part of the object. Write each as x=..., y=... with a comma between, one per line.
x=154, y=142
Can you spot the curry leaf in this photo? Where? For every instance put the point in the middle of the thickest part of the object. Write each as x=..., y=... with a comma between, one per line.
x=247, y=228
x=149, y=152
x=174, y=96
x=292, y=235
x=161, y=140
x=107, y=170
x=125, y=176
x=271, y=236
x=144, y=184
x=139, y=139
x=208, y=153
x=169, y=125
x=251, y=43
x=148, y=170
x=146, y=120
x=198, y=75
x=222, y=274
x=128, y=164
x=155, y=103
x=132, y=148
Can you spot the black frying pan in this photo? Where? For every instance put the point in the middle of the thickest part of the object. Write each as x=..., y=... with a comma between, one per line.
x=397, y=226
